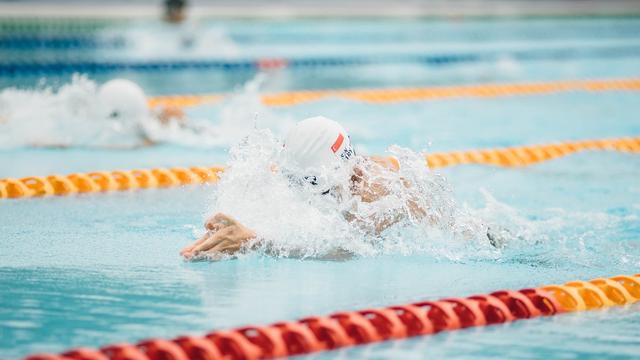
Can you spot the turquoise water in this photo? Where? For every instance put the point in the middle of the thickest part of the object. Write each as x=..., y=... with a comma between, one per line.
x=95, y=269
x=591, y=45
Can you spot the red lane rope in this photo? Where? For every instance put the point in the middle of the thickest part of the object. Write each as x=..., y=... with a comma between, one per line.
x=350, y=328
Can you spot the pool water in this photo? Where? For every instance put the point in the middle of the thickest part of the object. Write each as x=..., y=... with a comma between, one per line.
x=540, y=49
x=95, y=269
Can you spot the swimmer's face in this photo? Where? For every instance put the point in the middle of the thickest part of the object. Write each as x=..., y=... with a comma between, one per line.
x=122, y=101
x=325, y=181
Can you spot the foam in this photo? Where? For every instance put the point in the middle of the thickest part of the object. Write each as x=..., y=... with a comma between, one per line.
x=72, y=116
x=559, y=238
x=293, y=220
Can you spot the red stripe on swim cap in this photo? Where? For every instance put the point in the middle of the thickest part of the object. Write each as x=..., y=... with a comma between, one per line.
x=336, y=145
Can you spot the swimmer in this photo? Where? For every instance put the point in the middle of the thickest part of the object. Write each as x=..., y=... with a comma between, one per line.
x=113, y=115
x=313, y=147
x=124, y=104
x=125, y=107
x=174, y=10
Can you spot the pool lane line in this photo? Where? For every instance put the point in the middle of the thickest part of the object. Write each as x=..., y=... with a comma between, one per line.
x=60, y=42
x=122, y=180
x=30, y=67
x=352, y=328
x=519, y=156
x=382, y=96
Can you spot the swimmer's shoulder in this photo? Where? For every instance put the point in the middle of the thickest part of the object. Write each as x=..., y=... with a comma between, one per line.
x=388, y=162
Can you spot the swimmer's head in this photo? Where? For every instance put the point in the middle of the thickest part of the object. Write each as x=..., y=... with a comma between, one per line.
x=316, y=146
x=123, y=100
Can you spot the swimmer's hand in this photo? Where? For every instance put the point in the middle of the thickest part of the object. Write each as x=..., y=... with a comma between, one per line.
x=170, y=114
x=225, y=236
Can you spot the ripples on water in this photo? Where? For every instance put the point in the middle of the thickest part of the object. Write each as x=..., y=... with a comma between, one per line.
x=296, y=220
x=74, y=116
x=266, y=201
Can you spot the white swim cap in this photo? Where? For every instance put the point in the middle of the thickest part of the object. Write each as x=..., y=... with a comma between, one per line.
x=317, y=143
x=123, y=99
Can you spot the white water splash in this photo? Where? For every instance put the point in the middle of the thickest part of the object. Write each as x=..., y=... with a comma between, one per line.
x=45, y=117
x=69, y=116
x=188, y=40
x=244, y=111
x=561, y=238
x=294, y=220
x=73, y=116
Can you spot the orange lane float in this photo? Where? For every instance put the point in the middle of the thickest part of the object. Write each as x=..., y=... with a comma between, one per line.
x=528, y=155
x=411, y=94
x=119, y=180
x=184, y=100
x=101, y=181
x=351, y=328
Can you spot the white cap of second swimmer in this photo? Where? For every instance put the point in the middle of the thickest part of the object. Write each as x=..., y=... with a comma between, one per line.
x=123, y=100
x=317, y=143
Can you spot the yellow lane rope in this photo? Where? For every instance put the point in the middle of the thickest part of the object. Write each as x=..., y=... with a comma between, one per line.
x=412, y=94
x=99, y=181
x=528, y=155
x=184, y=100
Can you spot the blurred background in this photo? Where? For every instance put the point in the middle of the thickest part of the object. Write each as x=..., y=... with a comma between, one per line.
x=56, y=55
x=196, y=46
x=103, y=85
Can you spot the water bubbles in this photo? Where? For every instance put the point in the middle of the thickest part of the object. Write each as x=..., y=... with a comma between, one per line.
x=44, y=117
x=76, y=115
x=370, y=210
x=373, y=211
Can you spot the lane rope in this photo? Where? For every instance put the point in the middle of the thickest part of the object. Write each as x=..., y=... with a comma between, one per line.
x=412, y=94
x=351, y=328
x=121, y=180
x=38, y=26
x=60, y=66
x=30, y=37
x=70, y=42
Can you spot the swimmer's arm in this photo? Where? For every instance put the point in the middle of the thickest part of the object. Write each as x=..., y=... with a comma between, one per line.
x=225, y=236
x=377, y=224
x=378, y=189
x=387, y=162
x=374, y=225
x=391, y=163
x=497, y=237
x=167, y=114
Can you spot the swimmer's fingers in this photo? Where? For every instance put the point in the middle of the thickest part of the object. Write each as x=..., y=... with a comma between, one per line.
x=204, y=242
x=227, y=246
x=189, y=248
x=228, y=240
x=220, y=251
x=212, y=241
